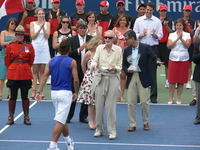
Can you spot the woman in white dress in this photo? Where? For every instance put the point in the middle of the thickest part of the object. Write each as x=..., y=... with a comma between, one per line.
x=39, y=32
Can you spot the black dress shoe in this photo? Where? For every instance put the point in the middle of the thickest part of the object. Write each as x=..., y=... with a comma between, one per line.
x=193, y=102
x=154, y=101
x=83, y=120
x=197, y=122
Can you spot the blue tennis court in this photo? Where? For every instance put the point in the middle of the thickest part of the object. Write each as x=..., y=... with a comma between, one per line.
x=171, y=128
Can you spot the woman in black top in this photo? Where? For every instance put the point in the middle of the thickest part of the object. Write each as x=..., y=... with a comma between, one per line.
x=64, y=31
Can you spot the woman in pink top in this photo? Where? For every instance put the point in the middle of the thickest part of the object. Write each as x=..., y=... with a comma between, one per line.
x=121, y=28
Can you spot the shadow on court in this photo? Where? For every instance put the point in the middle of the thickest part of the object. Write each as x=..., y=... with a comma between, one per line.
x=171, y=128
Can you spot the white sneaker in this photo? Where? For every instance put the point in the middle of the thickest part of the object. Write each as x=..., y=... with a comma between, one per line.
x=53, y=148
x=167, y=84
x=98, y=134
x=70, y=144
x=112, y=136
x=188, y=85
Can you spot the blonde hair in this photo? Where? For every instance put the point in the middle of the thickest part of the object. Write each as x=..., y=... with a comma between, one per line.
x=93, y=43
x=38, y=9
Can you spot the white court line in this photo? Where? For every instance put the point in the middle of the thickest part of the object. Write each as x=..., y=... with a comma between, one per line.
x=3, y=129
x=112, y=144
x=162, y=75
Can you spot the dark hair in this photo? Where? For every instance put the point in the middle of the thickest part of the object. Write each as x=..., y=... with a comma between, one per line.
x=182, y=21
x=120, y=17
x=60, y=24
x=130, y=34
x=89, y=14
x=65, y=47
x=81, y=23
x=151, y=4
x=10, y=20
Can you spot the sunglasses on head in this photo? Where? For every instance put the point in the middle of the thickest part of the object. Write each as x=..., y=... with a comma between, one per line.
x=107, y=37
x=65, y=22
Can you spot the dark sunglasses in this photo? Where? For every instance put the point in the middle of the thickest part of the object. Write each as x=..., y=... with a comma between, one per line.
x=13, y=23
x=20, y=34
x=65, y=22
x=107, y=37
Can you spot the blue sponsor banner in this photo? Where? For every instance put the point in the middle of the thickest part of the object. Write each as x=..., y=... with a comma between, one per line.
x=174, y=7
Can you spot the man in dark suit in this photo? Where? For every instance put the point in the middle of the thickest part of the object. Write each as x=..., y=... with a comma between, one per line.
x=196, y=78
x=135, y=65
x=78, y=49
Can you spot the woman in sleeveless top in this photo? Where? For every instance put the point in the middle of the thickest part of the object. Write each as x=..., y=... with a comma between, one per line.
x=93, y=28
x=121, y=28
x=7, y=37
x=64, y=31
x=85, y=89
x=39, y=32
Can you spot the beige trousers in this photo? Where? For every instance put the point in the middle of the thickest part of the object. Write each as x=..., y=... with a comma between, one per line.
x=135, y=91
x=106, y=94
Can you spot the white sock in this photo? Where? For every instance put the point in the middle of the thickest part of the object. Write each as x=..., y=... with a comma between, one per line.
x=53, y=144
x=67, y=138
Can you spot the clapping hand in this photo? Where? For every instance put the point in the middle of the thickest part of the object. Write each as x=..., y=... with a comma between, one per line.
x=179, y=35
x=50, y=15
x=198, y=23
x=58, y=13
x=165, y=23
x=145, y=31
x=25, y=14
x=153, y=31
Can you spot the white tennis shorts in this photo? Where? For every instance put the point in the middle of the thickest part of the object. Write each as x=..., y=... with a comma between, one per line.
x=62, y=100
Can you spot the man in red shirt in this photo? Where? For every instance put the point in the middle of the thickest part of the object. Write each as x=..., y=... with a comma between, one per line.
x=141, y=9
x=26, y=17
x=120, y=5
x=163, y=51
x=54, y=16
x=190, y=28
x=104, y=17
x=79, y=14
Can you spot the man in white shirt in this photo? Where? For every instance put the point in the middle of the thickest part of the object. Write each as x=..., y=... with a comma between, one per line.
x=148, y=29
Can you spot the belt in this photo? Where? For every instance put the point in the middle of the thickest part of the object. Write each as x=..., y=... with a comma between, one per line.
x=153, y=46
x=19, y=61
